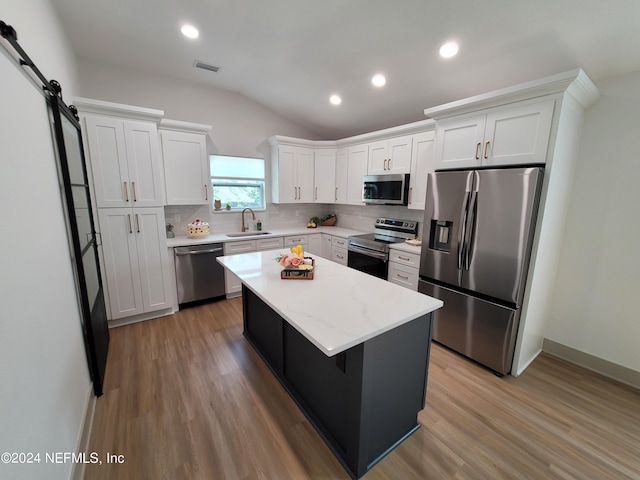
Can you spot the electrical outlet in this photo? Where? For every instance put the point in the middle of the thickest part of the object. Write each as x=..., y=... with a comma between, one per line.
x=176, y=217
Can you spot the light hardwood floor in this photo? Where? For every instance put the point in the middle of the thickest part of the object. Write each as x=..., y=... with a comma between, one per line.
x=186, y=397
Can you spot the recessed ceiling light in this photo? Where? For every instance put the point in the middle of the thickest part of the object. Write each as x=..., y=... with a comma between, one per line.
x=335, y=99
x=378, y=80
x=190, y=31
x=449, y=50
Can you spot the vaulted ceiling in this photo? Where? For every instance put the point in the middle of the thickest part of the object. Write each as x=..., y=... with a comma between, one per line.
x=291, y=55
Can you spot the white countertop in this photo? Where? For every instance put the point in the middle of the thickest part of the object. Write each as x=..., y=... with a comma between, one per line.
x=183, y=240
x=340, y=308
x=405, y=247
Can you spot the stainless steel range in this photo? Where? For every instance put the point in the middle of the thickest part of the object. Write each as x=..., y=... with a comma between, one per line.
x=369, y=252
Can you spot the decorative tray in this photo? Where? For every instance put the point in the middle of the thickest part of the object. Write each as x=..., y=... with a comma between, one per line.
x=302, y=272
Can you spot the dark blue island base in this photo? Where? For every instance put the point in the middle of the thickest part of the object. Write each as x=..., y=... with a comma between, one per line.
x=364, y=401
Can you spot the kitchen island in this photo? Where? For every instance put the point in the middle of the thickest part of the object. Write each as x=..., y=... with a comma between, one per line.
x=351, y=349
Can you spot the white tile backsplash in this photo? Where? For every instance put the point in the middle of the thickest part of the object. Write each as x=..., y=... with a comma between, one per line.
x=287, y=215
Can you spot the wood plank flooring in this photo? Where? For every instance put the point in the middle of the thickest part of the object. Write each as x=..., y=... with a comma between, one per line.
x=186, y=397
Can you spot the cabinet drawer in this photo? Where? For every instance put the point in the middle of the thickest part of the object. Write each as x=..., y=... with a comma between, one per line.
x=339, y=242
x=296, y=240
x=269, y=243
x=405, y=258
x=239, y=247
x=339, y=255
x=403, y=275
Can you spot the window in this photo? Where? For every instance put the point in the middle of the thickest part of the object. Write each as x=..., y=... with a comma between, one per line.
x=238, y=181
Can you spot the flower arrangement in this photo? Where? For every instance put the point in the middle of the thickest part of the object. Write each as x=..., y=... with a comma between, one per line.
x=293, y=258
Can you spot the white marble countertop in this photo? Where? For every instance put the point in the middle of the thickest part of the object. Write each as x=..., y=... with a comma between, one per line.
x=340, y=308
x=183, y=240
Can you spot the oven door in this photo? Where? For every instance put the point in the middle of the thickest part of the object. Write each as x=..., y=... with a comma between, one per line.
x=368, y=261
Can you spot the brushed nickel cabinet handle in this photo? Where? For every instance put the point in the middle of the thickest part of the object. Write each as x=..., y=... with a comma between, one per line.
x=316, y=193
x=137, y=223
x=389, y=164
x=402, y=276
x=478, y=150
x=410, y=194
x=133, y=187
x=206, y=193
x=336, y=195
x=129, y=218
x=486, y=146
x=126, y=192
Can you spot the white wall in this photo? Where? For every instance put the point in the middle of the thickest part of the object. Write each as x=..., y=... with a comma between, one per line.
x=595, y=303
x=44, y=379
x=240, y=125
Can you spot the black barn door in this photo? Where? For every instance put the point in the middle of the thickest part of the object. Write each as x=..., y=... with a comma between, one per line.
x=82, y=237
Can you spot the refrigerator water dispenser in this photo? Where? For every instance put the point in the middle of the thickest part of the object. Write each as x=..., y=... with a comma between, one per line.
x=440, y=235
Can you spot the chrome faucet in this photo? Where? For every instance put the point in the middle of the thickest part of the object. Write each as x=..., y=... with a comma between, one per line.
x=244, y=228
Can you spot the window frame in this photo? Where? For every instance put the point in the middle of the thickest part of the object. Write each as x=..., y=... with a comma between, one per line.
x=259, y=182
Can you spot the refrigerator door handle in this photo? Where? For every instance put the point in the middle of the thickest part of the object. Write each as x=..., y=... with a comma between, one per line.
x=470, y=229
x=462, y=233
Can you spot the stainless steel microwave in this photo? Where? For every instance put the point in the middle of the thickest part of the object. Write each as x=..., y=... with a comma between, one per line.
x=391, y=189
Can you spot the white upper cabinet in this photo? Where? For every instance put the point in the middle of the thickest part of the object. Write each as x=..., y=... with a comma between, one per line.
x=512, y=135
x=390, y=156
x=292, y=174
x=186, y=163
x=422, y=163
x=356, y=170
x=324, y=175
x=126, y=162
x=340, y=194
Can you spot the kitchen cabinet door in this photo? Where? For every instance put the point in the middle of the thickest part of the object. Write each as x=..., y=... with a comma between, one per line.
x=356, y=170
x=324, y=175
x=153, y=262
x=305, y=174
x=186, y=168
x=136, y=262
x=459, y=142
x=390, y=156
x=315, y=244
x=422, y=163
x=233, y=284
x=121, y=272
x=340, y=195
x=517, y=135
x=125, y=161
x=292, y=174
x=326, y=246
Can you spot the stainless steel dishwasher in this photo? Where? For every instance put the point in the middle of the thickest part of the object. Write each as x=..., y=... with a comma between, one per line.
x=198, y=274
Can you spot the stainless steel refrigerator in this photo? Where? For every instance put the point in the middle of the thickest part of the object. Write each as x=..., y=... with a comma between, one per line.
x=477, y=239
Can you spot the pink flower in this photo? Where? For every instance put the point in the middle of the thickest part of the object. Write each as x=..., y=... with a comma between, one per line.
x=284, y=260
x=294, y=261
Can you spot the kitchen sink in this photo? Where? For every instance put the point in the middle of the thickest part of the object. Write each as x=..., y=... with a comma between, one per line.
x=246, y=234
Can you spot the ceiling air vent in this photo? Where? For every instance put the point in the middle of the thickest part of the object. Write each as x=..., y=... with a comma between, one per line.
x=205, y=66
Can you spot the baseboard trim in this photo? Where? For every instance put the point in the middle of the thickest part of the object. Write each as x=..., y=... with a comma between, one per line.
x=78, y=468
x=606, y=368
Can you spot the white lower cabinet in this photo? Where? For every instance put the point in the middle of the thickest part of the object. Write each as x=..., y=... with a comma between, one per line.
x=404, y=268
x=294, y=240
x=315, y=244
x=136, y=261
x=270, y=243
x=339, y=250
x=233, y=285
x=325, y=251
